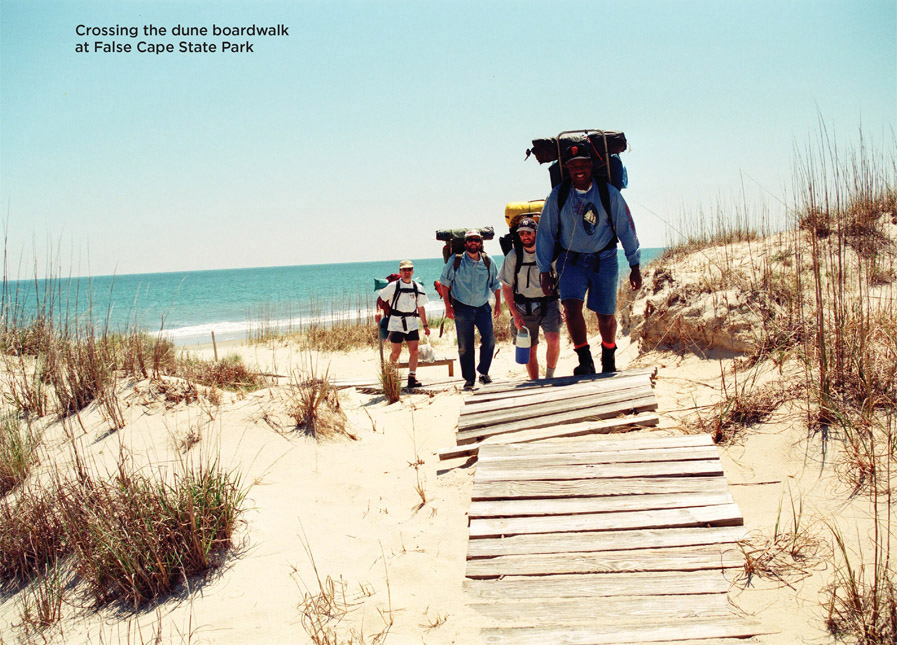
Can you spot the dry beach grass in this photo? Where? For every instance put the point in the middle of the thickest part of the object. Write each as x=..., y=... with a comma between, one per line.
x=154, y=493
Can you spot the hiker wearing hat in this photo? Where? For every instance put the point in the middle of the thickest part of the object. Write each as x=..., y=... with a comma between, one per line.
x=469, y=279
x=530, y=307
x=406, y=299
x=586, y=236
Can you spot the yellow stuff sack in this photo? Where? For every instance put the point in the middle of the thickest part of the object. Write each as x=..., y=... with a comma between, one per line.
x=515, y=210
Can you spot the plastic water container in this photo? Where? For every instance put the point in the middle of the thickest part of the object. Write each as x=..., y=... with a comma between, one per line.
x=523, y=344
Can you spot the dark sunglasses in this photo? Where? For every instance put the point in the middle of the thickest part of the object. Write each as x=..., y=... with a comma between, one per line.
x=474, y=239
x=406, y=269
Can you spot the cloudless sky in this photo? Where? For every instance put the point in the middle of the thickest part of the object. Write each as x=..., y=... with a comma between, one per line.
x=372, y=124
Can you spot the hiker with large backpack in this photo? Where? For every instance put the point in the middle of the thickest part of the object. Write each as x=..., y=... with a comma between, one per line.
x=530, y=307
x=403, y=301
x=581, y=222
x=468, y=280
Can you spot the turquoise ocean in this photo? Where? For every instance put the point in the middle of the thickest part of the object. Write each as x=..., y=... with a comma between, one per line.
x=188, y=306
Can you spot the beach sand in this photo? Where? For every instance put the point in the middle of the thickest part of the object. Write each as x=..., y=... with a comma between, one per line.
x=392, y=538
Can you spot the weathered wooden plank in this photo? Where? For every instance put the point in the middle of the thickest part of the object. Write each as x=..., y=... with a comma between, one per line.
x=548, y=395
x=717, y=627
x=541, y=489
x=545, y=543
x=540, y=434
x=574, y=506
x=539, y=612
x=721, y=515
x=642, y=404
x=562, y=460
x=519, y=385
x=602, y=471
x=600, y=444
x=658, y=583
x=506, y=415
x=691, y=558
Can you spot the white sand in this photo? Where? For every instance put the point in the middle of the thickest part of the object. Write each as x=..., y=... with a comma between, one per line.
x=353, y=506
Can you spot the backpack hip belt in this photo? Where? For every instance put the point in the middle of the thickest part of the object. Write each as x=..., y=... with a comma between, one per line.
x=575, y=256
x=532, y=304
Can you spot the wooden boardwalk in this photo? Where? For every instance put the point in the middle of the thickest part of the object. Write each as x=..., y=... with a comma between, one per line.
x=595, y=539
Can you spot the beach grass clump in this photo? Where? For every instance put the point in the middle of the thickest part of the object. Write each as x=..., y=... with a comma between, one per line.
x=40, y=606
x=31, y=338
x=131, y=538
x=135, y=537
x=723, y=227
x=861, y=600
x=24, y=382
x=18, y=451
x=741, y=406
x=230, y=373
x=313, y=404
x=81, y=369
x=143, y=355
x=390, y=382
x=32, y=537
x=339, y=337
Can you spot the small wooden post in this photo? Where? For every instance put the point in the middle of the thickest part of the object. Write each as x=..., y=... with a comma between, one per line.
x=380, y=338
x=215, y=346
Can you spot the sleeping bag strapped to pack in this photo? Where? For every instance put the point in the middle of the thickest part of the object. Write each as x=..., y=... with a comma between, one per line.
x=605, y=147
x=454, y=239
x=514, y=212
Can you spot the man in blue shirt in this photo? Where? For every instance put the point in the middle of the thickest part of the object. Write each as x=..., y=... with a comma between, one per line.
x=585, y=235
x=469, y=279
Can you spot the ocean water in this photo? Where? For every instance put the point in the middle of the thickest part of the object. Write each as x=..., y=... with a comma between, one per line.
x=188, y=306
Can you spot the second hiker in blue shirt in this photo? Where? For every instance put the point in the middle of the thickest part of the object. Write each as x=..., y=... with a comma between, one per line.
x=470, y=278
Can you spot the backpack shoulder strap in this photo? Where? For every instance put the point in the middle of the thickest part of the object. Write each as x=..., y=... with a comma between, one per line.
x=518, y=261
x=486, y=260
x=604, y=193
x=458, y=259
x=395, y=295
x=563, y=193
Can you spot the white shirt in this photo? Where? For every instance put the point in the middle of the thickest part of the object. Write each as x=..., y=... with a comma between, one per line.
x=406, y=304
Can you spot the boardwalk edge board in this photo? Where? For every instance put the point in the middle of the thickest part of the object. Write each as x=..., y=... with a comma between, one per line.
x=642, y=404
x=516, y=413
x=556, y=432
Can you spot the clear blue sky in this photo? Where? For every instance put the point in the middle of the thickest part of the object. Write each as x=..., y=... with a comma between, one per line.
x=372, y=124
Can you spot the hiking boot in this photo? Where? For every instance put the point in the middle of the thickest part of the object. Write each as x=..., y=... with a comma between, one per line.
x=485, y=379
x=468, y=385
x=413, y=382
x=608, y=364
x=586, y=364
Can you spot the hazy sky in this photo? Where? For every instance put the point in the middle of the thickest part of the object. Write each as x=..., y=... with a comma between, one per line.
x=372, y=124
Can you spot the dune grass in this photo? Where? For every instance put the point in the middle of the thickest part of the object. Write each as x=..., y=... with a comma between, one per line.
x=18, y=451
x=130, y=538
x=824, y=294
x=313, y=404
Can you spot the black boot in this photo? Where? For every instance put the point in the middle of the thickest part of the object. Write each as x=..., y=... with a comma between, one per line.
x=608, y=364
x=586, y=364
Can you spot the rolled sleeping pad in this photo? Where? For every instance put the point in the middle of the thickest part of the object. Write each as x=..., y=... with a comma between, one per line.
x=515, y=210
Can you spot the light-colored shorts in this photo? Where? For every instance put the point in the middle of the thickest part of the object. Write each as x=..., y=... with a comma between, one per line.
x=577, y=275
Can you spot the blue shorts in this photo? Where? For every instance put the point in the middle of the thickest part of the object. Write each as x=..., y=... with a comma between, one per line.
x=577, y=274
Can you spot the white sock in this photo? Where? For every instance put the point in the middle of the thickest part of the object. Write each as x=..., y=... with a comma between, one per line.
x=549, y=372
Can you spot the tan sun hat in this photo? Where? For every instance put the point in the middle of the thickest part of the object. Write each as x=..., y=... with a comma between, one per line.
x=406, y=264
